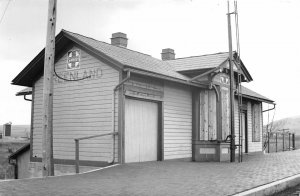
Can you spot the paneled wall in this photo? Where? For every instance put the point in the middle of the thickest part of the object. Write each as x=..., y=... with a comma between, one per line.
x=208, y=115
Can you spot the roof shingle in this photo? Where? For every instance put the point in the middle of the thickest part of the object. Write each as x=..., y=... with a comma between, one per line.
x=250, y=93
x=131, y=58
x=199, y=62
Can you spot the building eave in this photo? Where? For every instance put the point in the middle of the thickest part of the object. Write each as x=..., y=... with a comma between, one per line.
x=168, y=78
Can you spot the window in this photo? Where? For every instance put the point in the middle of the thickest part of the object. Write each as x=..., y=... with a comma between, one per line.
x=256, y=115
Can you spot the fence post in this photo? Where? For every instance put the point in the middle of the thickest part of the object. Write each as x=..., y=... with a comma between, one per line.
x=283, y=141
x=276, y=141
x=289, y=141
x=268, y=142
x=293, y=141
x=77, y=155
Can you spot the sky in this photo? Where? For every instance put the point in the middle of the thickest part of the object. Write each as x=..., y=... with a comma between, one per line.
x=269, y=39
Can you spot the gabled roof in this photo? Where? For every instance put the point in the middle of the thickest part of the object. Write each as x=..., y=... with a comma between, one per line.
x=130, y=58
x=122, y=56
x=206, y=62
x=246, y=92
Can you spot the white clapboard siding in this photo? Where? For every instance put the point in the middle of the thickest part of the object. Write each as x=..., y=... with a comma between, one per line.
x=81, y=108
x=177, y=121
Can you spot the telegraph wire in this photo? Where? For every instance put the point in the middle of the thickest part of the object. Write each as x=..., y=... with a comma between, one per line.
x=4, y=11
x=237, y=32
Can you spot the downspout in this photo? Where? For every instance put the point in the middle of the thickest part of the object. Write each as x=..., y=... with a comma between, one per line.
x=216, y=90
x=113, y=115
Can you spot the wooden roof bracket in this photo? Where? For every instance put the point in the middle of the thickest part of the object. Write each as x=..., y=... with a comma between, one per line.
x=210, y=71
x=213, y=86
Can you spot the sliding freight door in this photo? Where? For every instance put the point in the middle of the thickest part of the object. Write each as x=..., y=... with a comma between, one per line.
x=141, y=130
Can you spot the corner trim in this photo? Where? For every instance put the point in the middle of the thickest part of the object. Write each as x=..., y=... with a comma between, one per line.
x=32, y=120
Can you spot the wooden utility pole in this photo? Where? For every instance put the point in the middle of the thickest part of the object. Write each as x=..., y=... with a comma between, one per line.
x=232, y=140
x=48, y=165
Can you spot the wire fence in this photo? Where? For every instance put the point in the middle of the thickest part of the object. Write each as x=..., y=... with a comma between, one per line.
x=279, y=141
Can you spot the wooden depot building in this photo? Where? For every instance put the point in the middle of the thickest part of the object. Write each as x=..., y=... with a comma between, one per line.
x=156, y=109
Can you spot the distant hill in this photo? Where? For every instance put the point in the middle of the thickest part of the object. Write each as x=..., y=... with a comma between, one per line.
x=292, y=123
x=18, y=130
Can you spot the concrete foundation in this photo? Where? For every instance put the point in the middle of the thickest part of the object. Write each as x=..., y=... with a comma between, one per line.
x=214, y=151
x=35, y=169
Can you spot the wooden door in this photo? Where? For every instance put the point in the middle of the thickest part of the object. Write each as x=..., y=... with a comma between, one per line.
x=244, y=131
x=141, y=130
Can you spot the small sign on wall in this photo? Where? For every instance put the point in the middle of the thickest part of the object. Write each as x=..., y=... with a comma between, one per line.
x=73, y=59
x=224, y=80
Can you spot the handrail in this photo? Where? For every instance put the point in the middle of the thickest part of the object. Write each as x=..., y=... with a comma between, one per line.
x=83, y=138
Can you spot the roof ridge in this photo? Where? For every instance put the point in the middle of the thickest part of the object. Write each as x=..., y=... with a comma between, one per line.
x=198, y=56
x=105, y=42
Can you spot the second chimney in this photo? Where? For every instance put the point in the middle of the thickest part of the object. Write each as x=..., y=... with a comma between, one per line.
x=119, y=39
x=167, y=54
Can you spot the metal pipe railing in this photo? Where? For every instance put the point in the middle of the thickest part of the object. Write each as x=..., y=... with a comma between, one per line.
x=84, y=138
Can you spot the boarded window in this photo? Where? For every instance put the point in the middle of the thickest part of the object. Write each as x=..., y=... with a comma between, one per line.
x=225, y=112
x=256, y=122
x=208, y=115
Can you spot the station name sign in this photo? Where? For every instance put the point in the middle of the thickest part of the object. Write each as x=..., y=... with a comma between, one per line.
x=76, y=75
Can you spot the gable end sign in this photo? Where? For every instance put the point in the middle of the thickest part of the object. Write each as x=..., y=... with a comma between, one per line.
x=73, y=59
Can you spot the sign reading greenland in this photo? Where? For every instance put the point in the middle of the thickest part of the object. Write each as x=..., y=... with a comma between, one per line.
x=77, y=75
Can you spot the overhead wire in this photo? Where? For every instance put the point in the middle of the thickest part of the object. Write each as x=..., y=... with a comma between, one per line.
x=6, y=7
x=4, y=11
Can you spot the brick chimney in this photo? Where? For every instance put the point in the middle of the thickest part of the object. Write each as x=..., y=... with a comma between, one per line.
x=119, y=39
x=167, y=54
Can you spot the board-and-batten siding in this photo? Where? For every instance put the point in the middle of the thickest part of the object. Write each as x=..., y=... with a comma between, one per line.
x=208, y=115
x=81, y=108
x=252, y=146
x=177, y=121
